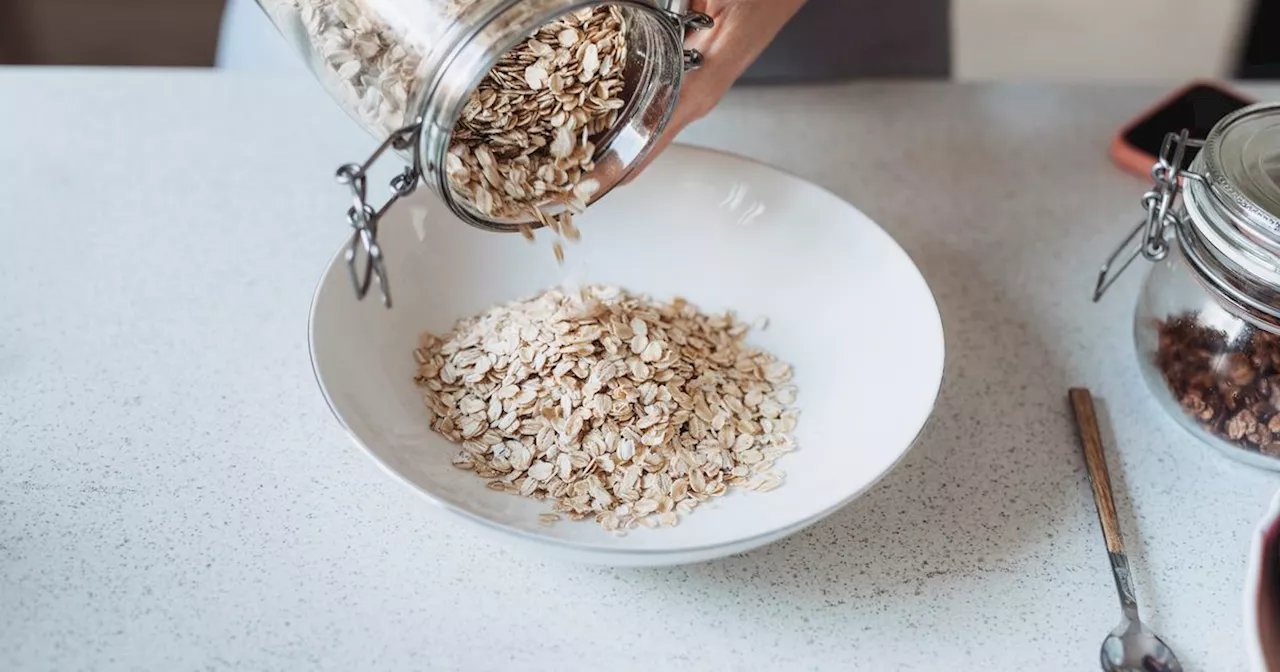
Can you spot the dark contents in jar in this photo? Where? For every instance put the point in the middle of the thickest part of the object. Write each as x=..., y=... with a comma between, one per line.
x=1229, y=385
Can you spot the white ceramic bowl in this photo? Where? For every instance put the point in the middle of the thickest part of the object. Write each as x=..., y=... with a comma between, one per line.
x=845, y=305
x=1262, y=594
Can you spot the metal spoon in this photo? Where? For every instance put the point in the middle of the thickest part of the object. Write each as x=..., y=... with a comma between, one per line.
x=1131, y=647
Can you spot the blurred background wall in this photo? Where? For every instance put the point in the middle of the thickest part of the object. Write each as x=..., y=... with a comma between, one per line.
x=109, y=32
x=1097, y=39
x=1004, y=40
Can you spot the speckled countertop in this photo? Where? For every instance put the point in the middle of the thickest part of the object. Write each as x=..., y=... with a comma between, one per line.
x=175, y=495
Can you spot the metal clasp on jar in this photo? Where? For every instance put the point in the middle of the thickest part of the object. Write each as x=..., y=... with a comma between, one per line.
x=364, y=218
x=690, y=20
x=1149, y=238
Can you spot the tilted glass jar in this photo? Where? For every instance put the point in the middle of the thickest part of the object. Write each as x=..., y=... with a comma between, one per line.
x=514, y=112
x=1207, y=324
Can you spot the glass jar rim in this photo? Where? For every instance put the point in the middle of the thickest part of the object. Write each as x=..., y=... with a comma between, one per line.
x=1227, y=231
x=1238, y=289
x=460, y=69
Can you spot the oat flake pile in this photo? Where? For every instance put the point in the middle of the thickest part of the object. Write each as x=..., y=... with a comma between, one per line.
x=611, y=405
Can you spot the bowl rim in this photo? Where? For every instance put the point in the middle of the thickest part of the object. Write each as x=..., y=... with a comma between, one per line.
x=1268, y=526
x=604, y=550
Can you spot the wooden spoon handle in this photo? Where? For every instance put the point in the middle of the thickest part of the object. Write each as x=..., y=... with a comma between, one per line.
x=1091, y=443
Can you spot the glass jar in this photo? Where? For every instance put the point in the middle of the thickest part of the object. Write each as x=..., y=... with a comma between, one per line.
x=1207, y=324
x=516, y=113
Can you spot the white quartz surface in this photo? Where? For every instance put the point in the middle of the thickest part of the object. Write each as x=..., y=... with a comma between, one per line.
x=174, y=494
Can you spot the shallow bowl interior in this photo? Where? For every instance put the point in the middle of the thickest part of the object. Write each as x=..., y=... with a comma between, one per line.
x=844, y=304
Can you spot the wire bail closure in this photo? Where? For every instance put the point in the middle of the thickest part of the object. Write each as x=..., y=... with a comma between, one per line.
x=1149, y=237
x=364, y=219
x=694, y=21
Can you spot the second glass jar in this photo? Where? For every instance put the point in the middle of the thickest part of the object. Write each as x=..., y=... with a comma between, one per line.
x=1207, y=323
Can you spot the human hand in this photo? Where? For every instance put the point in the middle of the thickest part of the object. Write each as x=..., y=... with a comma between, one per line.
x=742, y=31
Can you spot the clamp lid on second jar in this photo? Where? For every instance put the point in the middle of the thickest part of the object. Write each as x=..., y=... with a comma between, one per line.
x=1231, y=204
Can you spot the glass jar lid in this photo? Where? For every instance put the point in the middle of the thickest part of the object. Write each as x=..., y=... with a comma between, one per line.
x=1229, y=225
x=1242, y=167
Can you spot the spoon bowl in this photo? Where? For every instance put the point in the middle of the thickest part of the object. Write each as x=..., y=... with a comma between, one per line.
x=1132, y=647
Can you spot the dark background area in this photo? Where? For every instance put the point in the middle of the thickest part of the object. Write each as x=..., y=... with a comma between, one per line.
x=185, y=33
x=109, y=32
x=1260, y=58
